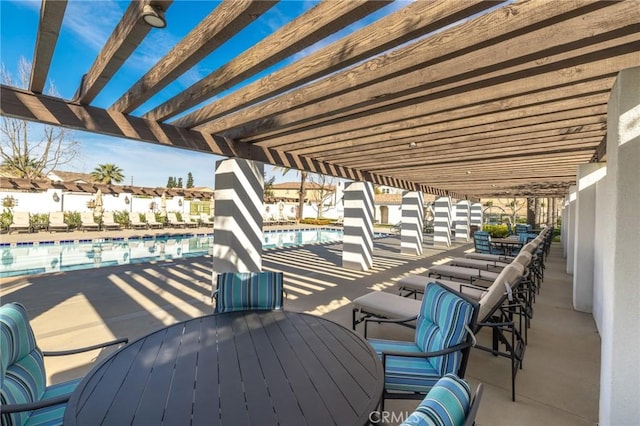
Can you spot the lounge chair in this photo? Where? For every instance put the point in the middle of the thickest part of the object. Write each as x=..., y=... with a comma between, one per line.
x=205, y=219
x=499, y=307
x=136, y=223
x=174, y=222
x=87, y=222
x=26, y=398
x=442, y=344
x=21, y=222
x=108, y=222
x=191, y=221
x=447, y=403
x=152, y=222
x=241, y=291
x=56, y=222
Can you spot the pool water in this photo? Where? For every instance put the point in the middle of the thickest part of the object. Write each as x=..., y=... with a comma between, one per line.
x=50, y=256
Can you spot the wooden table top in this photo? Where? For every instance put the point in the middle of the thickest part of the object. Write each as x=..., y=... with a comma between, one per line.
x=255, y=367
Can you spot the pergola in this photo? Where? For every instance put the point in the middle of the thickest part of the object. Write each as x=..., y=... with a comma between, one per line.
x=470, y=98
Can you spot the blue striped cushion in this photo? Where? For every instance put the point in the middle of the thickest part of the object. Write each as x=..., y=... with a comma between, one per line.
x=52, y=416
x=239, y=291
x=446, y=404
x=402, y=373
x=23, y=376
x=440, y=325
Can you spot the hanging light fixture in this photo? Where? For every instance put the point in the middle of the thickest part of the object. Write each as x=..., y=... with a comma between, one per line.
x=153, y=16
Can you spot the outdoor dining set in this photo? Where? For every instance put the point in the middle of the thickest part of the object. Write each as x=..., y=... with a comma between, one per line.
x=252, y=361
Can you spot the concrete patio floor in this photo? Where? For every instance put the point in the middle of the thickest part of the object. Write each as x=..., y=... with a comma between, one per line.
x=559, y=382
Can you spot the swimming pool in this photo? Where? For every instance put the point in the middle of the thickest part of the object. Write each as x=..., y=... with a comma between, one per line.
x=59, y=256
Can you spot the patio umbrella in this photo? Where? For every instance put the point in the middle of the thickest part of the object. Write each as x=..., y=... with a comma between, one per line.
x=98, y=202
x=163, y=204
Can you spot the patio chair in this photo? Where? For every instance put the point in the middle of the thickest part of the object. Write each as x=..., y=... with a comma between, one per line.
x=87, y=222
x=56, y=222
x=26, y=399
x=21, y=222
x=136, y=223
x=241, y=291
x=108, y=222
x=442, y=343
x=500, y=306
x=174, y=222
x=448, y=403
x=482, y=243
x=205, y=219
x=152, y=222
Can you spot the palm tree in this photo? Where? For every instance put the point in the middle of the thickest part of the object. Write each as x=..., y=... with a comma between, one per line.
x=107, y=173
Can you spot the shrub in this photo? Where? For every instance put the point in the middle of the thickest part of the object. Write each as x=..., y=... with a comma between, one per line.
x=311, y=221
x=6, y=218
x=72, y=219
x=39, y=221
x=121, y=217
x=496, y=231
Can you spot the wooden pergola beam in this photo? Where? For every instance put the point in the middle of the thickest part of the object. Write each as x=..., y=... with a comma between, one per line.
x=532, y=92
x=410, y=22
x=25, y=105
x=468, y=52
x=51, y=16
x=452, y=133
x=224, y=22
x=126, y=37
x=319, y=22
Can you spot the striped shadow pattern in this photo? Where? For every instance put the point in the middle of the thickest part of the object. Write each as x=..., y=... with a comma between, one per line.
x=463, y=214
x=241, y=291
x=412, y=223
x=442, y=222
x=358, y=226
x=476, y=215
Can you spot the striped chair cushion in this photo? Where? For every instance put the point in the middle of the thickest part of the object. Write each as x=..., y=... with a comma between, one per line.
x=52, y=416
x=239, y=291
x=441, y=324
x=446, y=404
x=402, y=373
x=23, y=377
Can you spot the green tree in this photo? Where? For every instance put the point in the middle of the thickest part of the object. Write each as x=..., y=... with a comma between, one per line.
x=107, y=173
x=171, y=182
x=29, y=150
x=179, y=183
x=189, y=180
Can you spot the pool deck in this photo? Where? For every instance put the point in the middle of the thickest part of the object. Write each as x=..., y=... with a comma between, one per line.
x=559, y=382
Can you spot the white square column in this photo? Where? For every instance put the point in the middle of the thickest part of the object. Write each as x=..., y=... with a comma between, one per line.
x=357, y=251
x=463, y=218
x=586, y=205
x=620, y=355
x=237, y=242
x=571, y=228
x=412, y=223
x=476, y=215
x=442, y=222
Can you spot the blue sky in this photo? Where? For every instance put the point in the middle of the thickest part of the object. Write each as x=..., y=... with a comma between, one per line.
x=86, y=27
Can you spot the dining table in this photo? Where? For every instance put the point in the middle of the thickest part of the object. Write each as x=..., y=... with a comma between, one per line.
x=509, y=245
x=235, y=368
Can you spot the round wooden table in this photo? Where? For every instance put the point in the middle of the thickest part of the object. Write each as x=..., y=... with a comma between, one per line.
x=240, y=368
